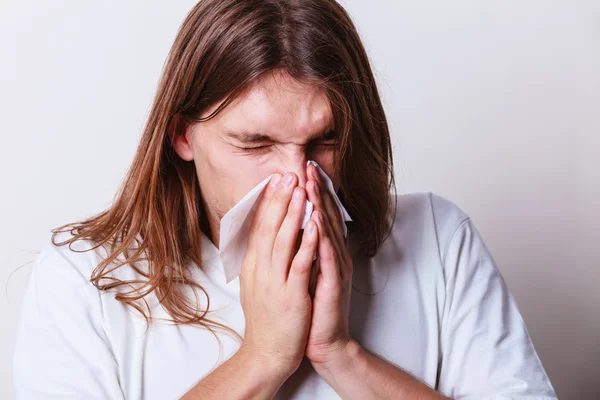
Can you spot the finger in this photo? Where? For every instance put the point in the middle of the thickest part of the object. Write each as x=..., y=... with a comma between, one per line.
x=333, y=220
x=263, y=202
x=336, y=238
x=285, y=242
x=271, y=216
x=328, y=254
x=301, y=266
x=333, y=214
x=248, y=267
x=329, y=202
x=317, y=201
x=344, y=258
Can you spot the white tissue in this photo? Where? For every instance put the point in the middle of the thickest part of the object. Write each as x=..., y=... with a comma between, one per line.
x=235, y=225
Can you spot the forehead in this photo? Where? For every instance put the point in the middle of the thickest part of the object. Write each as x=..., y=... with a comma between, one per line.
x=279, y=106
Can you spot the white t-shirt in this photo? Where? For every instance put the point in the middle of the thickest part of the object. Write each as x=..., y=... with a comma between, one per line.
x=431, y=301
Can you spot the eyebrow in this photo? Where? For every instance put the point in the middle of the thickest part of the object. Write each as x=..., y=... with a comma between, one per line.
x=257, y=137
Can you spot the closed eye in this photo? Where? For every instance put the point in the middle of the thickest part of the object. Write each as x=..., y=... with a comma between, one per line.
x=326, y=143
x=322, y=144
x=329, y=144
x=256, y=148
x=327, y=140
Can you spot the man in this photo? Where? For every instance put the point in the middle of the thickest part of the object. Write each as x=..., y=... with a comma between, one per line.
x=410, y=305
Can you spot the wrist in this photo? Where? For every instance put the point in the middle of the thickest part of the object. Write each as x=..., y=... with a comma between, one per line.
x=265, y=369
x=342, y=358
x=248, y=374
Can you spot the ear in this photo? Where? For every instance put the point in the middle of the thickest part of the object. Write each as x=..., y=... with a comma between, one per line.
x=181, y=141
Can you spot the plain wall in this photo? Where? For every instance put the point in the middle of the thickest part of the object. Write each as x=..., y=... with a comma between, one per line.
x=494, y=105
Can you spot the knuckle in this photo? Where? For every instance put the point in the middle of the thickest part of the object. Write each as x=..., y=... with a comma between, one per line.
x=269, y=226
x=335, y=291
x=330, y=254
x=276, y=193
x=347, y=277
x=269, y=191
x=309, y=242
x=284, y=194
x=262, y=227
x=293, y=213
x=288, y=305
x=300, y=266
x=256, y=231
x=279, y=246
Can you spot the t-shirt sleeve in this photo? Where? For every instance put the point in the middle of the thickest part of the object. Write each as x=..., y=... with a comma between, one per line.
x=486, y=349
x=62, y=350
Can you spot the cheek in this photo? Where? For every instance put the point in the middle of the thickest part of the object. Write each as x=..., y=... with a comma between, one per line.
x=224, y=177
x=238, y=175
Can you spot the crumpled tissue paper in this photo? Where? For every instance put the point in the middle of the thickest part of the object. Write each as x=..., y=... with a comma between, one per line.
x=235, y=225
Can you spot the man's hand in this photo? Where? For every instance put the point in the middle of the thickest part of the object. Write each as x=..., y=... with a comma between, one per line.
x=329, y=334
x=350, y=370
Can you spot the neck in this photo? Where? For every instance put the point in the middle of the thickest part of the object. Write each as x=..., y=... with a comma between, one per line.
x=210, y=226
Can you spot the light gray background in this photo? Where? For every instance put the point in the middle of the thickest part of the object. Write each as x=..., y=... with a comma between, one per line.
x=494, y=105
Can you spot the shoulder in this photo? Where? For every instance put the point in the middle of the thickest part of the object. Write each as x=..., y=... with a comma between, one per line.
x=76, y=277
x=61, y=263
x=427, y=216
x=61, y=257
x=60, y=281
x=62, y=329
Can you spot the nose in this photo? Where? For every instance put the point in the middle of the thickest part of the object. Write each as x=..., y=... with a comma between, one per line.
x=297, y=165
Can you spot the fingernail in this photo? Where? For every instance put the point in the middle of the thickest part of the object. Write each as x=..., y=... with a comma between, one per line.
x=275, y=179
x=288, y=179
x=296, y=195
x=310, y=227
x=316, y=174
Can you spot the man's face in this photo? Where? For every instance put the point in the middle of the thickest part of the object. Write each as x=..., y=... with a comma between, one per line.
x=276, y=126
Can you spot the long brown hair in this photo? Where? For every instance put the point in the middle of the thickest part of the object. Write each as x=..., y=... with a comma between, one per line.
x=221, y=48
